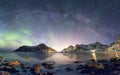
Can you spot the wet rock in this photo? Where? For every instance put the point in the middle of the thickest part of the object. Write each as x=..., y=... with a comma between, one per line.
x=86, y=71
x=68, y=69
x=103, y=61
x=5, y=62
x=24, y=66
x=15, y=63
x=77, y=62
x=49, y=73
x=37, y=68
x=90, y=65
x=100, y=66
x=4, y=73
x=116, y=59
x=49, y=64
x=79, y=67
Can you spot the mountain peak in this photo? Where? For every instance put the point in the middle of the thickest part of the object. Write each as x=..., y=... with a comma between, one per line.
x=118, y=39
x=39, y=48
x=97, y=42
x=115, y=45
x=82, y=47
x=41, y=44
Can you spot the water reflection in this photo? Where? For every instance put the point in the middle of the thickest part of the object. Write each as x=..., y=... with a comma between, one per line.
x=116, y=54
x=93, y=55
x=11, y=56
x=59, y=58
x=40, y=56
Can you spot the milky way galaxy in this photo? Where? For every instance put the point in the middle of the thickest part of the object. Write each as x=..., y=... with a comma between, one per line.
x=58, y=23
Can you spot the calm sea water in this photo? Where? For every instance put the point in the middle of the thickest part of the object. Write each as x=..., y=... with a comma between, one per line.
x=59, y=58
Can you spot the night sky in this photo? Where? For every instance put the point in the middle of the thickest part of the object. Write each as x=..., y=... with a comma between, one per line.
x=58, y=23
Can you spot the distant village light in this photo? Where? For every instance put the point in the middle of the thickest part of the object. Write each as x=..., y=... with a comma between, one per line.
x=116, y=54
x=93, y=55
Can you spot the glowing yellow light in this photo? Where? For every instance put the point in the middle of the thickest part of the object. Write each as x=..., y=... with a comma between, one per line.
x=94, y=55
x=116, y=54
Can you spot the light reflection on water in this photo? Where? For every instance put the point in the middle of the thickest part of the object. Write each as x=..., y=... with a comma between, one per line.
x=59, y=58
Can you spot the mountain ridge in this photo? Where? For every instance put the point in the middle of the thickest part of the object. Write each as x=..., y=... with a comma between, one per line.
x=38, y=48
x=115, y=45
x=77, y=48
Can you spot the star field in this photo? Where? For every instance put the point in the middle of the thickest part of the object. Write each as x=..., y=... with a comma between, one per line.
x=58, y=23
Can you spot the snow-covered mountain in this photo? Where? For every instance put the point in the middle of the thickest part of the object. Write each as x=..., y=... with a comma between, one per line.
x=77, y=48
x=115, y=45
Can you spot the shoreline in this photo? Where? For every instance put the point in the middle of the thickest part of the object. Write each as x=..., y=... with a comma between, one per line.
x=50, y=68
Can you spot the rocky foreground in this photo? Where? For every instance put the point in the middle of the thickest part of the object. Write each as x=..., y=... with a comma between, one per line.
x=89, y=67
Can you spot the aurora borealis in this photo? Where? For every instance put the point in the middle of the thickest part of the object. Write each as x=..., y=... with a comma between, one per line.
x=58, y=23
